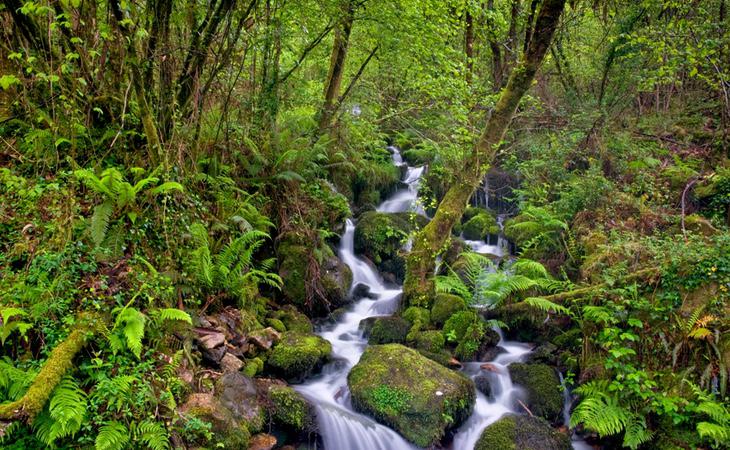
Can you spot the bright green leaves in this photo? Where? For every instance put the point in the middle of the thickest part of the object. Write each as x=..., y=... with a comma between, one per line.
x=12, y=321
x=65, y=413
x=129, y=327
x=6, y=81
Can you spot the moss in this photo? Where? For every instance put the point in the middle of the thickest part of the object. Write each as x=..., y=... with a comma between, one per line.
x=380, y=237
x=276, y=324
x=571, y=339
x=470, y=343
x=514, y=432
x=444, y=306
x=293, y=259
x=289, y=409
x=418, y=156
x=298, y=355
x=253, y=367
x=387, y=330
x=430, y=398
x=431, y=341
x=459, y=323
x=293, y=320
x=479, y=226
x=542, y=387
x=415, y=314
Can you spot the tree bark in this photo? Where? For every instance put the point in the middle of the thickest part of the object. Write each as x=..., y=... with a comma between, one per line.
x=432, y=239
x=337, y=66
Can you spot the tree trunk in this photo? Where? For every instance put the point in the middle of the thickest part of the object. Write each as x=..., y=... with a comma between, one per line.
x=432, y=239
x=337, y=66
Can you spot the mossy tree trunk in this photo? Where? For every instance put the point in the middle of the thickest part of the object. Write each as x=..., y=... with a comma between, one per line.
x=54, y=369
x=337, y=65
x=432, y=239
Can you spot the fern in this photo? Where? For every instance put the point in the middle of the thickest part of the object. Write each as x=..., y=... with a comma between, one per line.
x=100, y=222
x=65, y=413
x=13, y=381
x=546, y=305
x=172, y=314
x=11, y=322
x=153, y=434
x=128, y=331
x=112, y=436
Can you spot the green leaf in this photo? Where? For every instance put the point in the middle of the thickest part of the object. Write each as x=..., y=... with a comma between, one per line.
x=8, y=80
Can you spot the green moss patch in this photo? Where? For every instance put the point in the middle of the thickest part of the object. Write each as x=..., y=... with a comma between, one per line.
x=414, y=395
x=298, y=355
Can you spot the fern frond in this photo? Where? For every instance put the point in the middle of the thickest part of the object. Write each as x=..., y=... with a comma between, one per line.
x=153, y=434
x=65, y=413
x=546, y=305
x=100, y=222
x=131, y=323
x=636, y=433
x=167, y=187
x=173, y=314
x=112, y=436
x=601, y=414
x=529, y=268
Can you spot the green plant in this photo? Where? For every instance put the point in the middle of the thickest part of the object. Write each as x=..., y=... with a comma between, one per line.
x=119, y=195
x=232, y=270
x=392, y=400
x=11, y=321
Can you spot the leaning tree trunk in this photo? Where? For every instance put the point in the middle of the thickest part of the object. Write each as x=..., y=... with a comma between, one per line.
x=433, y=238
x=337, y=66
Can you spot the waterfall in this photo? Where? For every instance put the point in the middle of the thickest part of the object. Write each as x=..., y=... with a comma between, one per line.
x=340, y=426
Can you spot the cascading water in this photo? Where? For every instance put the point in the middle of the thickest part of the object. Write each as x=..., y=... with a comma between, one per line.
x=504, y=394
x=404, y=199
x=340, y=426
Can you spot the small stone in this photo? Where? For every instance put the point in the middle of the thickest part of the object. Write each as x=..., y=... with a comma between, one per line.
x=265, y=339
x=484, y=384
x=211, y=340
x=439, y=393
x=489, y=367
x=230, y=363
x=262, y=442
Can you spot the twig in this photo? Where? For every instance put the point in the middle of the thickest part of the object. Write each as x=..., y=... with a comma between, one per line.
x=526, y=408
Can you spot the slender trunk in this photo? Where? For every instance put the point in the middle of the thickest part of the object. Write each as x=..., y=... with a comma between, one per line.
x=337, y=66
x=494, y=46
x=432, y=239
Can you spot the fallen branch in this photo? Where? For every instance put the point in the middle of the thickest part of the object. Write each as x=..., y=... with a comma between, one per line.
x=581, y=292
x=526, y=408
x=58, y=363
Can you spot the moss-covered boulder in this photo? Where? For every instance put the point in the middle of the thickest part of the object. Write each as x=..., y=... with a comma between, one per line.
x=388, y=330
x=542, y=389
x=380, y=237
x=417, y=315
x=295, y=257
x=293, y=320
x=298, y=355
x=227, y=429
x=410, y=393
x=431, y=341
x=514, y=432
x=479, y=226
x=289, y=410
x=444, y=306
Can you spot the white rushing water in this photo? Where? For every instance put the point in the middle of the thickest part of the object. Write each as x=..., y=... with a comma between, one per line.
x=340, y=426
x=404, y=199
x=504, y=394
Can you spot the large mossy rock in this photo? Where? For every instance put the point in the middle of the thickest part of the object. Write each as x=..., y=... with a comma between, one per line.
x=334, y=276
x=287, y=409
x=410, y=393
x=388, y=330
x=542, y=387
x=514, y=432
x=299, y=355
x=380, y=237
x=481, y=224
x=444, y=306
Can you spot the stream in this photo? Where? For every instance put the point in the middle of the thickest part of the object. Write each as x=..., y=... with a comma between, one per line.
x=340, y=426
